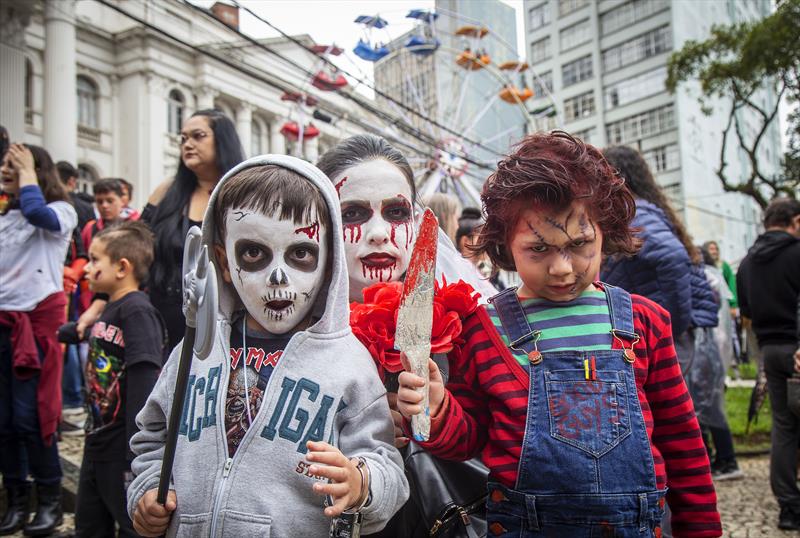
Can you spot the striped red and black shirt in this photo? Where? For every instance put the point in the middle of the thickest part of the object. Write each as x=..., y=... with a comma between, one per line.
x=486, y=406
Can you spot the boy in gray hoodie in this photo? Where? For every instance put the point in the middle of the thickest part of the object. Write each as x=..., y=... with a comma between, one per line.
x=288, y=408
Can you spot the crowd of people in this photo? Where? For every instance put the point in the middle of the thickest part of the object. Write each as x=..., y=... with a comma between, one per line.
x=580, y=388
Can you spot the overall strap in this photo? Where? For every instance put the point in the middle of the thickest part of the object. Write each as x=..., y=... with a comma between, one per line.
x=621, y=309
x=515, y=323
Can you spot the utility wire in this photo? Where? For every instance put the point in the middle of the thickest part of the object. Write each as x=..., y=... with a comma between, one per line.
x=409, y=129
x=361, y=81
x=284, y=88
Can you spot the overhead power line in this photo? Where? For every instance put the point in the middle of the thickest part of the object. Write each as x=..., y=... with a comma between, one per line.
x=251, y=72
x=359, y=80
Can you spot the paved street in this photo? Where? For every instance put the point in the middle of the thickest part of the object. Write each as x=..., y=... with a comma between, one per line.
x=747, y=506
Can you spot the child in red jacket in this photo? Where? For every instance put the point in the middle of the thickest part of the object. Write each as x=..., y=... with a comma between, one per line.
x=570, y=388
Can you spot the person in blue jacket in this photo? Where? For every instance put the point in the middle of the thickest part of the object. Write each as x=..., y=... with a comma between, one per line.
x=661, y=271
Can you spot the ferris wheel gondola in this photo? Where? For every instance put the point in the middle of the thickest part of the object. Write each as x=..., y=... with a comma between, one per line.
x=328, y=78
x=366, y=48
x=423, y=41
x=467, y=106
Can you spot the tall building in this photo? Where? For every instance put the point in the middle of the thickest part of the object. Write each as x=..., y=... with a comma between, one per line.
x=464, y=101
x=603, y=64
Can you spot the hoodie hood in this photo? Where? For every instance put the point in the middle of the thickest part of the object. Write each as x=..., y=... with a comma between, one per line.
x=770, y=244
x=332, y=306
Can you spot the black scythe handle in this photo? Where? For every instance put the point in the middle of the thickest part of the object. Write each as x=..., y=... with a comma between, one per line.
x=184, y=367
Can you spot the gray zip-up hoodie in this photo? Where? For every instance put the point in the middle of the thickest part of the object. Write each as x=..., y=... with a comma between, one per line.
x=325, y=387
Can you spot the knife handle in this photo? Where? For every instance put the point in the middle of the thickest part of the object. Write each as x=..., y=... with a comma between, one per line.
x=421, y=423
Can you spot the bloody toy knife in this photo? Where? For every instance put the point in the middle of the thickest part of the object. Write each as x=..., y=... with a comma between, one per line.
x=415, y=317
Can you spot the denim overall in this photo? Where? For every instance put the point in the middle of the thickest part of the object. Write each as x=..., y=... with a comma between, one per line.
x=586, y=468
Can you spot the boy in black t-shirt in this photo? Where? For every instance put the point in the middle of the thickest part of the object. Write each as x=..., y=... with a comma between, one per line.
x=126, y=353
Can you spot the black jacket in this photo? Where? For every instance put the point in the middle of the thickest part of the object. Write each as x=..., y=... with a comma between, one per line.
x=768, y=282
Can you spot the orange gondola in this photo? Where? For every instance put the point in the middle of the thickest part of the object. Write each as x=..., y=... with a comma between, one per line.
x=513, y=95
x=513, y=66
x=291, y=130
x=472, y=31
x=471, y=61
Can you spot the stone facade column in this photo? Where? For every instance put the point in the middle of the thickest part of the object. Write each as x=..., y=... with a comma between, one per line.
x=244, y=126
x=277, y=143
x=60, y=94
x=14, y=17
x=205, y=97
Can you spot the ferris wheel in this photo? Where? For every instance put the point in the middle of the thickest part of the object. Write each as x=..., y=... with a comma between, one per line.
x=459, y=85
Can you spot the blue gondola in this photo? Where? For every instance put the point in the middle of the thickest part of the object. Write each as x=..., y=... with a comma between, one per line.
x=365, y=49
x=424, y=43
x=368, y=52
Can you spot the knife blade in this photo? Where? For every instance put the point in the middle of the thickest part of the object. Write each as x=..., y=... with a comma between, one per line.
x=415, y=317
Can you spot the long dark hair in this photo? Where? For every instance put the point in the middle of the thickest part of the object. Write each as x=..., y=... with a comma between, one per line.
x=168, y=217
x=633, y=168
x=362, y=148
x=47, y=174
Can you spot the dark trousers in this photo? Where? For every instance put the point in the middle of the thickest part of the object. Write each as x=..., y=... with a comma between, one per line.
x=72, y=382
x=102, y=502
x=21, y=446
x=779, y=365
x=723, y=443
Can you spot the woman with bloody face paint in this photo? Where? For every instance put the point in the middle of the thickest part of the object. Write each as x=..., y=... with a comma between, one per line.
x=376, y=189
x=36, y=224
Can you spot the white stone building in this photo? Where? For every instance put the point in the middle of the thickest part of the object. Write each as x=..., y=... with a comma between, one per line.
x=108, y=94
x=604, y=62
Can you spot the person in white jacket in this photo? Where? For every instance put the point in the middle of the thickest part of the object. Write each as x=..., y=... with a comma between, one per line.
x=286, y=422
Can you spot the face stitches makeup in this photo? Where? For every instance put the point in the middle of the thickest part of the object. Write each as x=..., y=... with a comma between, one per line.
x=377, y=217
x=277, y=266
x=557, y=253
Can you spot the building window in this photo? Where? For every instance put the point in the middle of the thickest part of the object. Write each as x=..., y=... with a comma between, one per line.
x=576, y=71
x=635, y=88
x=587, y=135
x=629, y=13
x=540, y=50
x=575, y=35
x=28, y=92
x=88, y=97
x=175, y=105
x=539, y=16
x=662, y=159
x=545, y=123
x=542, y=84
x=565, y=7
x=256, y=139
x=86, y=178
x=634, y=50
x=580, y=106
x=633, y=128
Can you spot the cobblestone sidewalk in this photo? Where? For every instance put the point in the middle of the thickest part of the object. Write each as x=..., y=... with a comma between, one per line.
x=747, y=506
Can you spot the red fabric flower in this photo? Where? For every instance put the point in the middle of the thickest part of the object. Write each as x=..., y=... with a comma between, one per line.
x=374, y=321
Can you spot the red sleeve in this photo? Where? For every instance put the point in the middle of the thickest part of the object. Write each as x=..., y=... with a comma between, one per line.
x=676, y=432
x=459, y=431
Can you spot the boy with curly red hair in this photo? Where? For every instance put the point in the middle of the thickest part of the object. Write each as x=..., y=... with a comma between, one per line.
x=570, y=388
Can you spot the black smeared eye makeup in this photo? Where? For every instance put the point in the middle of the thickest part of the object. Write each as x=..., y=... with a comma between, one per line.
x=302, y=256
x=252, y=255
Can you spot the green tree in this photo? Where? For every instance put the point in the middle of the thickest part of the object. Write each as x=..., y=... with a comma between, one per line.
x=736, y=62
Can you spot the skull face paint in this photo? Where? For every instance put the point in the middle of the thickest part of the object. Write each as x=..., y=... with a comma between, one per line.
x=377, y=217
x=277, y=266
